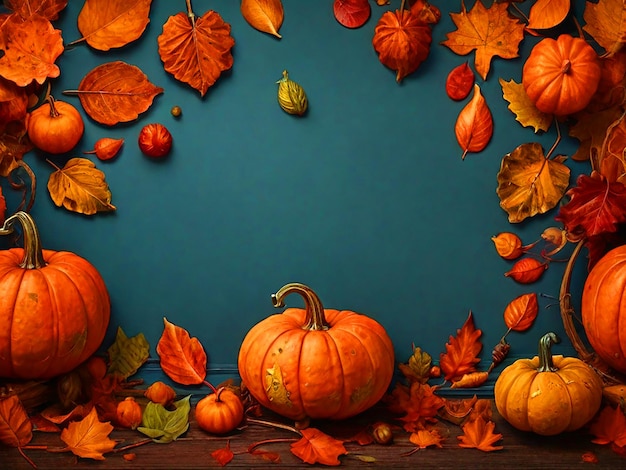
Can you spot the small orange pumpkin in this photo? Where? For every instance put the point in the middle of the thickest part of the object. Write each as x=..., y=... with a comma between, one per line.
x=55, y=126
x=54, y=307
x=603, y=308
x=219, y=412
x=316, y=363
x=548, y=394
x=561, y=75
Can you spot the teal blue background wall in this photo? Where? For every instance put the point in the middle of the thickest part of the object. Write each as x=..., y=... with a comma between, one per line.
x=365, y=199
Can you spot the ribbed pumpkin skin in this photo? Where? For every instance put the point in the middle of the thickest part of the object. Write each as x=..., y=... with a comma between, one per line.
x=327, y=374
x=603, y=308
x=52, y=318
x=548, y=403
x=554, y=91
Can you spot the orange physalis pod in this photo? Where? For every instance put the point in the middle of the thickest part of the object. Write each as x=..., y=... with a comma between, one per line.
x=473, y=379
x=161, y=393
x=520, y=313
x=129, y=413
x=527, y=270
x=106, y=148
x=508, y=245
x=474, y=125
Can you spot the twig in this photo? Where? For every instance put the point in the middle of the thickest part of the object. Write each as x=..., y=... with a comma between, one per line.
x=273, y=424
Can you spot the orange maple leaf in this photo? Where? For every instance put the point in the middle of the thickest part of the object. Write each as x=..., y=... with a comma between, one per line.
x=317, y=447
x=478, y=434
x=196, y=50
x=609, y=426
x=462, y=350
x=31, y=46
x=183, y=358
x=89, y=438
x=16, y=429
x=418, y=403
x=491, y=32
x=423, y=438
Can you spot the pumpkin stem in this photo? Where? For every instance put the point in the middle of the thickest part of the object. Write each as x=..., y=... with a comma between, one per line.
x=545, y=356
x=315, y=319
x=53, y=110
x=566, y=66
x=33, y=255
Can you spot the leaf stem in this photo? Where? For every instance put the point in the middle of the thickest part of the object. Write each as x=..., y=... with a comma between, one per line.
x=210, y=385
x=190, y=14
x=26, y=457
x=272, y=424
x=558, y=139
x=254, y=445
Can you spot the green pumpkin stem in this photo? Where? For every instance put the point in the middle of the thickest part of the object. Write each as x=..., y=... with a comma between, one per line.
x=33, y=254
x=545, y=355
x=315, y=319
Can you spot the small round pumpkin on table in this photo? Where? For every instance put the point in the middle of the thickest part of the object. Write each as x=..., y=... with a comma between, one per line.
x=548, y=394
x=316, y=363
x=54, y=307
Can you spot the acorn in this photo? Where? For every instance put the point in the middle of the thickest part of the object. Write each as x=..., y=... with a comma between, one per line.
x=291, y=96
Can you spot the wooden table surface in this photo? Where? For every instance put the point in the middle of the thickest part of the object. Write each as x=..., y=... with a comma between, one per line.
x=193, y=450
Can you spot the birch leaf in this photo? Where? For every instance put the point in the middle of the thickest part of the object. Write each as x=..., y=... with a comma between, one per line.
x=80, y=187
x=264, y=15
x=115, y=92
x=107, y=24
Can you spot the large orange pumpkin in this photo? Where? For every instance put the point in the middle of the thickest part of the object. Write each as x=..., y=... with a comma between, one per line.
x=316, y=363
x=603, y=308
x=561, y=75
x=548, y=394
x=54, y=308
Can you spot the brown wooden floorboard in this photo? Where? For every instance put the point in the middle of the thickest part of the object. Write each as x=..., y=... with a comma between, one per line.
x=192, y=451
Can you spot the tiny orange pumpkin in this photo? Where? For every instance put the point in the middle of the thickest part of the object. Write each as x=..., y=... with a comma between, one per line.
x=561, y=75
x=55, y=126
x=220, y=412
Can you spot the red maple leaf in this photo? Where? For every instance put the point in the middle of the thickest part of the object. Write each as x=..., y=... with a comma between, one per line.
x=609, y=427
x=461, y=351
x=596, y=206
x=317, y=447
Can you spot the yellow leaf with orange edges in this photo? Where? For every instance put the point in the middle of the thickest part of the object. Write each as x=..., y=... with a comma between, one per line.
x=526, y=113
x=108, y=24
x=606, y=23
x=264, y=15
x=423, y=438
x=31, y=47
x=546, y=14
x=471, y=380
x=490, y=32
x=89, y=438
x=196, y=52
x=80, y=187
x=529, y=183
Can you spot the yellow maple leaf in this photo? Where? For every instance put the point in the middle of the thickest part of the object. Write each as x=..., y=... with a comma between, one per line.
x=89, y=438
x=606, y=23
x=526, y=113
x=490, y=32
x=529, y=183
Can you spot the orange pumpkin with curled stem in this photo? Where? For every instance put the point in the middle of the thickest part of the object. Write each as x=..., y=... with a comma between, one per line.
x=314, y=362
x=54, y=307
x=548, y=394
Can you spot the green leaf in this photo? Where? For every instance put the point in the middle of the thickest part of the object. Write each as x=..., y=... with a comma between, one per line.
x=163, y=425
x=127, y=355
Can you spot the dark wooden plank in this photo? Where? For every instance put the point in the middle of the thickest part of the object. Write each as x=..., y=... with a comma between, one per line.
x=521, y=450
